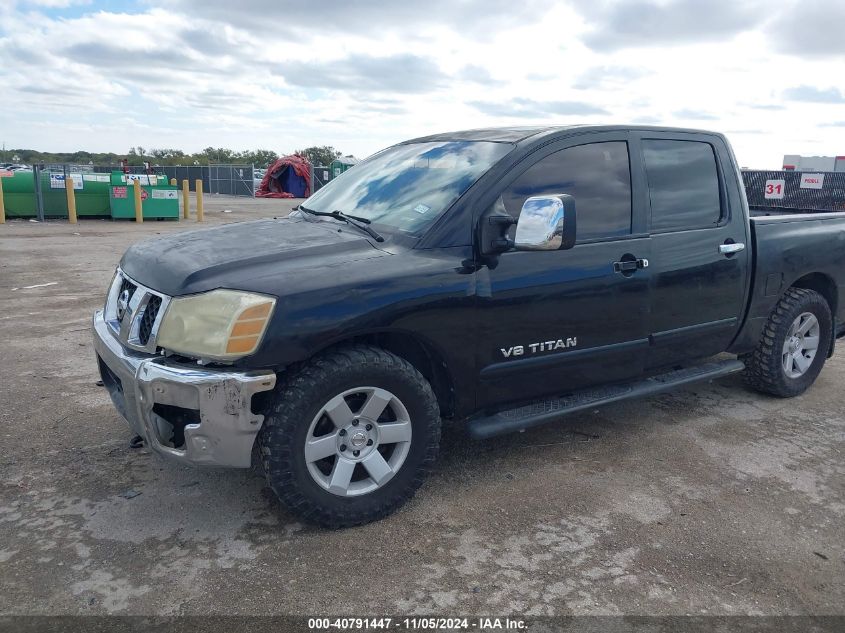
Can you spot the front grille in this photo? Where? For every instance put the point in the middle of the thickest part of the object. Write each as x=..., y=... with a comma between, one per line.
x=133, y=313
x=148, y=319
x=127, y=285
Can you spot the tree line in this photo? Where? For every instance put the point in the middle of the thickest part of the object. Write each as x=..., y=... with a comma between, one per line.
x=261, y=158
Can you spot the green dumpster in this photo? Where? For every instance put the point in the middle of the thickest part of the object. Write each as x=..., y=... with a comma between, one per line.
x=159, y=199
x=340, y=165
x=91, y=193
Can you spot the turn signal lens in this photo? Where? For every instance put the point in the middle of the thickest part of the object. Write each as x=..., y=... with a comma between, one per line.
x=247, y=331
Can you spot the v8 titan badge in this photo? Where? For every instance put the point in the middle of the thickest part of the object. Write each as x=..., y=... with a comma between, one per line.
x=542, y=346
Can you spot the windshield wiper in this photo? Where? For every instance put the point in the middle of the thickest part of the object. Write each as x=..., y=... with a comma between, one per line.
x=334, y=214
x=354, y=220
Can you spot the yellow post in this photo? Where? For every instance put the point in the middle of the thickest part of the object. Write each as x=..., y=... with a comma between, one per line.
x=71, y=200
x=2, y=204
x=172, y=182
x=186, y=198
x=139, y=211
x=199, y=200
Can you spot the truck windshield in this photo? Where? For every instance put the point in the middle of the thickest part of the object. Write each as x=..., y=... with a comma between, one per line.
x=406, y=187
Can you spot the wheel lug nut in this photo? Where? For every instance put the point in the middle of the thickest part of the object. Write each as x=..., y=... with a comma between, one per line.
x=342, y=447
x=342, y=432
x=356, y=453
x=354, y=422
x=369, y=442
x=369, y=427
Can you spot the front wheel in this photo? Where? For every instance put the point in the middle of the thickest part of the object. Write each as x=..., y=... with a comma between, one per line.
x=350, y=437
x=794, y=345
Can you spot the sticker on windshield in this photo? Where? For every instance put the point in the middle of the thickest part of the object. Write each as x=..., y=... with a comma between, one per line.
x=422, y=208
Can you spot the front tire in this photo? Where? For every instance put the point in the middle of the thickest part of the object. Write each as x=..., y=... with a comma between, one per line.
x=794, y=345
x=350, y=437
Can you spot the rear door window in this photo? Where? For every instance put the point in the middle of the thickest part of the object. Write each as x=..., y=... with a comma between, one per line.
x=683, y=185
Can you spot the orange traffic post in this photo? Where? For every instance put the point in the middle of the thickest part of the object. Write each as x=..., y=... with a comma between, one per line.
x=71, y=200
x=2, y=204
x=186, y=198
x=139, y=211
x=199, y=200
x=172, y=182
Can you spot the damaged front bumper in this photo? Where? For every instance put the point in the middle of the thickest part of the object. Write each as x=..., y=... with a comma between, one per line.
x=188, y=414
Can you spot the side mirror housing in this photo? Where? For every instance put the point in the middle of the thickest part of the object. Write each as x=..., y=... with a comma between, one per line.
x=546, y=223
x=493, y=232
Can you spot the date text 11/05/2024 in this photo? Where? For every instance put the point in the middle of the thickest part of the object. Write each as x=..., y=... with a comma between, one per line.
x=418, y=623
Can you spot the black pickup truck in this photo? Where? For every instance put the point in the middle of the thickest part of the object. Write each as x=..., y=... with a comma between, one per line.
x=496, y=278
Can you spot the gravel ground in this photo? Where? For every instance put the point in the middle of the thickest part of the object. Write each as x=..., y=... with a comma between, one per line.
x=710, y=500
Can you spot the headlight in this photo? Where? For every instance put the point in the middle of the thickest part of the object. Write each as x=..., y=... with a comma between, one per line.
x=217, y=325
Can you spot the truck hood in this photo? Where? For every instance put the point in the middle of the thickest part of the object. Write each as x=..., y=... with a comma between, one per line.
x=246, y=256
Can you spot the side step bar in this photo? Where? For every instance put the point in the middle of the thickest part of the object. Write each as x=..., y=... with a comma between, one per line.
x=542, y=411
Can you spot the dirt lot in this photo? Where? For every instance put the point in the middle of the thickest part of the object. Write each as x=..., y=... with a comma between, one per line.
x=708, y=500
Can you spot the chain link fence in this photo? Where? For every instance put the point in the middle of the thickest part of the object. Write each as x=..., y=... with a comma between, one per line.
x=787, y=191
x=320, y=177
x=231, y=180
x=794, y=191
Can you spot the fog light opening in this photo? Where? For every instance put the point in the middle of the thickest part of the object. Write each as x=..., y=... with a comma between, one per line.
x=171, y=422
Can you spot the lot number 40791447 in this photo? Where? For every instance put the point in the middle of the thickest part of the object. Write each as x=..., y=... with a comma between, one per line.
x=774, y=189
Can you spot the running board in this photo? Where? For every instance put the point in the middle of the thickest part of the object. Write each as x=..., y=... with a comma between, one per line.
x=542, y=411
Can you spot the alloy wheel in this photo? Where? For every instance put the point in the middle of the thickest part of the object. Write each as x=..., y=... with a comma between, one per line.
x=358, y=441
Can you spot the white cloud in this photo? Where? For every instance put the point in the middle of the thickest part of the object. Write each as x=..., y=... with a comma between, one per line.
x=362, y=75
x=814, y=95
x=617, y=24
x=58, y=4
x=810, y=28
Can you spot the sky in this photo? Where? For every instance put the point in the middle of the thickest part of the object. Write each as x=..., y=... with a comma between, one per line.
x=103, y=75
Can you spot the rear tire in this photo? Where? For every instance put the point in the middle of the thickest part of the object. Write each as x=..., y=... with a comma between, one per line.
x=793, y=347
x=361, y=400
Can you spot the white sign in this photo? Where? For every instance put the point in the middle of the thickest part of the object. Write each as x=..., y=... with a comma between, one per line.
x=57, y=181
x=774, y=189
x=141, y=178
x=166, y=194
x=812, y=181
x=97, y=177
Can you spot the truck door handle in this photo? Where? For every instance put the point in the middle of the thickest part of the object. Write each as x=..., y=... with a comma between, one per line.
x=731, y=248
x=629, y=265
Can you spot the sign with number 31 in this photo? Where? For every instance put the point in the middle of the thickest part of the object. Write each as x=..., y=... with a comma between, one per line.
x=774, y=189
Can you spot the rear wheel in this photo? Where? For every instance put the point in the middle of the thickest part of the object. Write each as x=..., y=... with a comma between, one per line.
x=794, y=345
x=350, y=437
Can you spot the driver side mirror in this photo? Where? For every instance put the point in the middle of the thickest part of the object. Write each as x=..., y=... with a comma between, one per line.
x=546, y=223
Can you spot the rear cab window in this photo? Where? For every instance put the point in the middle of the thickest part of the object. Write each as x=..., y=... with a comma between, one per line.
x=683, y=185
